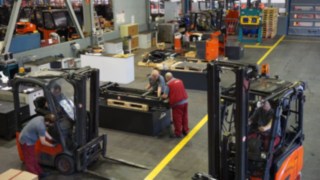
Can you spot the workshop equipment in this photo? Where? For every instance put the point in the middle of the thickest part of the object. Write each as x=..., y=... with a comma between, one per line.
x=166, y=32
x=177, y=42
x=232, y=153
x=25, y=27
x=234, y=50
x=208, y=20
x=75, y=130
x=232, y=20
x=47, y=21
x=7, y=128
x=250, y=23
x=208, y=49
x=133, y=110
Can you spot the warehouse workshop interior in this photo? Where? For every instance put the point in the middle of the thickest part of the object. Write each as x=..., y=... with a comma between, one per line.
x=159, y=89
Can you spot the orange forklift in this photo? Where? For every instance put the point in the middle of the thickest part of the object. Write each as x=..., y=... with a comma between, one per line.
x=232, y=154
x=76, y=107
x=49, y=20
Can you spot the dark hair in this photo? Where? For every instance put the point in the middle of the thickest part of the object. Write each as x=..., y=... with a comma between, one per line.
x=57, y=86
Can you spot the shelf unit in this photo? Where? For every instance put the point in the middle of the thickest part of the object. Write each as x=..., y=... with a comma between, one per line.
x=304, y=19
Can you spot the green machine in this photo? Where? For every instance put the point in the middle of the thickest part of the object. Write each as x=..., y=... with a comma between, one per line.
x=250, y=22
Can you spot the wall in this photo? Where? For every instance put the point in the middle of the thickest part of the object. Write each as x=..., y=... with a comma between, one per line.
x=129, y=7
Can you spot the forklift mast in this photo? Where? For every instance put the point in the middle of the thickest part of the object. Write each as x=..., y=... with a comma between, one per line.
x=242, y=74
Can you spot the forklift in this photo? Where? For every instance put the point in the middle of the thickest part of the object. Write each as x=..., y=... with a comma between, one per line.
x=232, y=154
x=48, y=20
x=76, y=133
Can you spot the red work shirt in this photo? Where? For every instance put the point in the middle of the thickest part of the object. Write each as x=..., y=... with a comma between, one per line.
x=177, y=92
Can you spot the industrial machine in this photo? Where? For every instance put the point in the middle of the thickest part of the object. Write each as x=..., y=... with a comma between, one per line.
x=49, y=20
x=25, y=27
x=232, y=153
x=133, y=110
x=76, y=107
x=250, y=22
x=208, y=20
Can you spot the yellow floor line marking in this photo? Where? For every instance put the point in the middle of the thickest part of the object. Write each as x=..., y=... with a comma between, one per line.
x=257, y=46
x=270, y=50
x=176, y=149
x=165, y=161
x=300, y=41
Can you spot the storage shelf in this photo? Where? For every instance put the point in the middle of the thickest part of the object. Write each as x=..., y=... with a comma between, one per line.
x=304, y=20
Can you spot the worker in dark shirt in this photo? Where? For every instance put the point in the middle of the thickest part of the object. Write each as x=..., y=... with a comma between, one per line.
x=34, y=130
x=261, y=123
x=178, y=100
x=156, y=83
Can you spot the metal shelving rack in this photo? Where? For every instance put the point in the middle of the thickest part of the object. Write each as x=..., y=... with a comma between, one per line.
x=304, y=19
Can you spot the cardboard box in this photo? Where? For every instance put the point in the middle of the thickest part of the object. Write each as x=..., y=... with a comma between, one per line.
x=15, y=174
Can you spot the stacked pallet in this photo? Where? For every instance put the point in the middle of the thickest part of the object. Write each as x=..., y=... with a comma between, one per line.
x=270, y=21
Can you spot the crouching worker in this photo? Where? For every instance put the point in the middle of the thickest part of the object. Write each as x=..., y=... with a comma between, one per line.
x=178, y=100
x=34, y=130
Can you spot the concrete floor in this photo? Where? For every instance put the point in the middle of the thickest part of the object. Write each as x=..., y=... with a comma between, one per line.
x=294, y=59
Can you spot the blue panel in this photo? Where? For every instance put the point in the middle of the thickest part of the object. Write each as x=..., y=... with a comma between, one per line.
x=25, y=42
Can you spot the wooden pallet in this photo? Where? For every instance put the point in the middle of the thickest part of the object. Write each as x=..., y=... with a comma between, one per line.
x=167, y=63
x=127, y=105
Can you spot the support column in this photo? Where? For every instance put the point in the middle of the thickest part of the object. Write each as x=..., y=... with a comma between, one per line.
x=88, y=19
x=74, y=18
x=11, y=26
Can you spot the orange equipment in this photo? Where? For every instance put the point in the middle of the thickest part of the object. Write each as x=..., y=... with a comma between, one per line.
x=265, y=70
x=222, y=38
x=177, y=42
x=212, y=49
x=25, y=27
x=231, y=21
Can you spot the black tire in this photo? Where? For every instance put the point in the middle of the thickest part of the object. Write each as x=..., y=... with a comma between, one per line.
x=65, y=164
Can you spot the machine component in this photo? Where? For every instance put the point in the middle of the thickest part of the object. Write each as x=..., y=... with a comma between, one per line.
x=234, y=50
x=133, y=110
x=232, y=153
x=250, y=23
x=42, y=63
x=114, y=91
x=158, y=56
x=77, y=136
x=209, y=20
x=208, y=49
x=166, y=32
x=189, y=66
x=25, y=27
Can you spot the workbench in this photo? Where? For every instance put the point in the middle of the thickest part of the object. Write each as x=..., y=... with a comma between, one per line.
x=193, y=74
x=132, y=110
x=150, y=123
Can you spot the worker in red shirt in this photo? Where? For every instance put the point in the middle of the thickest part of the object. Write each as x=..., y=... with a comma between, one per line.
x=178, y=100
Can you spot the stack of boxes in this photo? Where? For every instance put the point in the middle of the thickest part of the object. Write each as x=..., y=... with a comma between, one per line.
x=131, y=30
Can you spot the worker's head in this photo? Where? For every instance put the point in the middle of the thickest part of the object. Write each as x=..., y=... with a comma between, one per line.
x=49, y=119
x=266, y=105
x=56, y=90
x=155, y=74
x=168, y=76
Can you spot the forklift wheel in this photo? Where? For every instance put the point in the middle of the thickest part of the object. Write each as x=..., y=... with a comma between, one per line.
x=65, y=164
